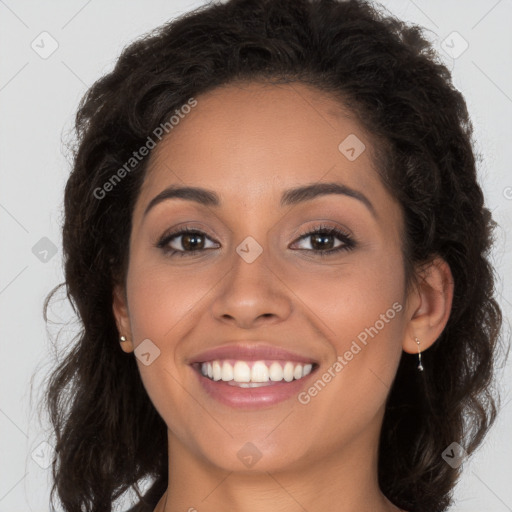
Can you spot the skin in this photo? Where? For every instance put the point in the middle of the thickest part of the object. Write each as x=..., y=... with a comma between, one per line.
x=249, y=143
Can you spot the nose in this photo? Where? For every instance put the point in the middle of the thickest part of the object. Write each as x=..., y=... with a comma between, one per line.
x=252, y=294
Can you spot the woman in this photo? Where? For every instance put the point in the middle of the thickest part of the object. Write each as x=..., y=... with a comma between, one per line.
x=274, y=212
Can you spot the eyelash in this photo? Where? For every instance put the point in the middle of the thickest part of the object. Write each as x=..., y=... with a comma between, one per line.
x=348, y=241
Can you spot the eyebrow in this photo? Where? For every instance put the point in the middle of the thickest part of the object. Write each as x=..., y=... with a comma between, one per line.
x=292, y=196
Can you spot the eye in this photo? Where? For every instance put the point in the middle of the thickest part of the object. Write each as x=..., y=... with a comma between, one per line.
x=189, y=241
x=323, y=237
x=192, y=241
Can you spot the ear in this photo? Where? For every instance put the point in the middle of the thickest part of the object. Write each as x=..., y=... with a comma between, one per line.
x=429, y=305
x=122, y=316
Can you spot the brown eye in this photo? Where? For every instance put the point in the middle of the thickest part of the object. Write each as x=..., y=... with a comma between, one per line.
x=192, y=241
x=323, y=240
x=183, y=242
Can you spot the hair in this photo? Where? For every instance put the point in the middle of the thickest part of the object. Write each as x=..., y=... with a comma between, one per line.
x=108, y=435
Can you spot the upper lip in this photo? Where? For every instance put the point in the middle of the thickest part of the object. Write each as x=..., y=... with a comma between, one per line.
x=250, y=352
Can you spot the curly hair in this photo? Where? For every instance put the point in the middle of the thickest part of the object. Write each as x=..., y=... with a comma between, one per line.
x=108, y=435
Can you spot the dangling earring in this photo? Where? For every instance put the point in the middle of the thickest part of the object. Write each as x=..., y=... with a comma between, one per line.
x=420, y=366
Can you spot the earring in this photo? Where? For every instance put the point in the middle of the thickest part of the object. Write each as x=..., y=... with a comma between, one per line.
x=122, y=338
x=420, y=366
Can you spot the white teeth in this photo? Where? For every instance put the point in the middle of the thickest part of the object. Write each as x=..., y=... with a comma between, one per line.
x=276, y=372
x=247, y=384
x=227, y=372
x=259, y=372
x=241, y=372
x=217, y=370
x=257, y=375
x=288, y=372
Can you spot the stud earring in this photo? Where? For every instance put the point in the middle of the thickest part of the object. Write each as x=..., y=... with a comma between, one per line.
x=420, y=366
x=122, y=338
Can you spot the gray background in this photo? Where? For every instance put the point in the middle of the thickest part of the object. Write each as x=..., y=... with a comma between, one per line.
x=38, y=99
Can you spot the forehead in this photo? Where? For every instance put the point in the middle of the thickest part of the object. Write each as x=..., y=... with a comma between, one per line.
x=249, y=141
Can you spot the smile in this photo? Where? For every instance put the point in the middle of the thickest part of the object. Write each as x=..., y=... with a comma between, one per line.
x=250, y=385
x=249, y=375
x=254, y=373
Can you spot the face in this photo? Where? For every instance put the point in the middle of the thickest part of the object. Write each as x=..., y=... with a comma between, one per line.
x=323, y=313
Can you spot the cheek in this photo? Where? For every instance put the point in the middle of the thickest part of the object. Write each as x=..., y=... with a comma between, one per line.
x=164, y=303
x=359, y=311
x=344, y=299
x=161, y=296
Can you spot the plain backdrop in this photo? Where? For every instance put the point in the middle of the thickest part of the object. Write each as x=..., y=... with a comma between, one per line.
x=39, y=94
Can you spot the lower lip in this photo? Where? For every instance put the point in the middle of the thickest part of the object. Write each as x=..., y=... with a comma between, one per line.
x=252, y=398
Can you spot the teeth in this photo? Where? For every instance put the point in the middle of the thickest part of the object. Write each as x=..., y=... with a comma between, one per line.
x=247, y=384
x=276, y=372
x=257, y=375
x=217, y=370
x=288, y=372
x=259, y=372
x=241, y=372
x=227, y=372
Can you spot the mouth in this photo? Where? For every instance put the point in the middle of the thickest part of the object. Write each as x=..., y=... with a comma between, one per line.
x=252, y=376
